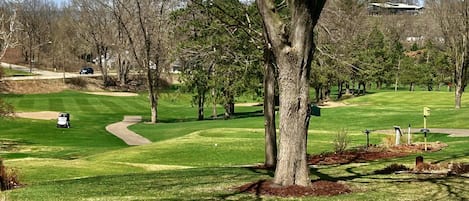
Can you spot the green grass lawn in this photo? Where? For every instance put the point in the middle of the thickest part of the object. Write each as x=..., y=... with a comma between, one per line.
x=11, y=72
x=201, y=160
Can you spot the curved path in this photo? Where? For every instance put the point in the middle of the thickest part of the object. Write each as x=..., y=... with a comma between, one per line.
x=452, y=132
x=120, y=130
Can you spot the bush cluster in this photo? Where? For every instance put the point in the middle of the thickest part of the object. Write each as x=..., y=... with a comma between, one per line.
x=8, y=178
x=6, y=109
x=341, y=141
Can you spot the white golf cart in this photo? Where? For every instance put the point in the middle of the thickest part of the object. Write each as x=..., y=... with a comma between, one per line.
x=63, y=121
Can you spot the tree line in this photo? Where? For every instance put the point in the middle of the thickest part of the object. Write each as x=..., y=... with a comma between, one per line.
x=219, y=45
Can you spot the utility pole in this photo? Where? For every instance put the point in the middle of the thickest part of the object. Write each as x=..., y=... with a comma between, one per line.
x=397, y=73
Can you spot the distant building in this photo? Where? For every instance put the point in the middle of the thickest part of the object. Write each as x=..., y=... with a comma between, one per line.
x=393, y=8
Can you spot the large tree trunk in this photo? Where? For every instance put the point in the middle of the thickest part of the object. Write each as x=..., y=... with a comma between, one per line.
x=214, y=105
x=458, y=96
x=347, y=88
x=152, y=96
x=102, y=51
x=201, y=103
x=461, y=74
x=292, y=167
x=123, y=70
x=340, y=86
x=269, y=110
x=293, y=53
x=460, y=83
x=411, y=87
x=317, y=90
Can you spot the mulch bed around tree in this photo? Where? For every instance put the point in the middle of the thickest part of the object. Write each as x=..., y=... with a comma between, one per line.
x=329, y=188
x=373, y=153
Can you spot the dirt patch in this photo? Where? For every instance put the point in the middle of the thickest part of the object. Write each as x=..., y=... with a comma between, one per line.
x=248, y=104
x=32, y=86
x=38, y=86
x=119, y=94
x=317, y=188
x=330, y=104
x=43, y=115
x=12, y=56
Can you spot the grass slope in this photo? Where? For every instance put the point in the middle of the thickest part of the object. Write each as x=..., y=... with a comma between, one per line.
x=199, y=160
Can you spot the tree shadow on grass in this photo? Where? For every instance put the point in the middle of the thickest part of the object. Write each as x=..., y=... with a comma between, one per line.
x=453, y=188
x=326, y=177
x=257, y=170
x=452, y=157
x=448, y=185
x=238, y=115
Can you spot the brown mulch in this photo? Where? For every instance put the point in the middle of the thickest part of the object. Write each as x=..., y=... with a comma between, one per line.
x=317, y=188
x=329, y=188
x=373, y=153
x=459, y=169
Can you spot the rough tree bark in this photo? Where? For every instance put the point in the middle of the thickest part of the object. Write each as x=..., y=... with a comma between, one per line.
x=269, y=110
x=461, y=77
x=293, y=49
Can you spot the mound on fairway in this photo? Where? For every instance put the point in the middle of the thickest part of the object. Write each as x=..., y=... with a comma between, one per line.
x=117, y=94
x=43, y=115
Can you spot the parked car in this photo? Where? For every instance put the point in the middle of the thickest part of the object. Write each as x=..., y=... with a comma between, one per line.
x=87, y=70
x=63, y=121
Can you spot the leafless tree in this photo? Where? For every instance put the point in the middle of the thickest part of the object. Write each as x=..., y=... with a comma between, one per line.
x=8, y=28
x=35, y=17
x=95, y=23
x=147, y=28
x=67, y=46
x=340, y=34
x=453, y=19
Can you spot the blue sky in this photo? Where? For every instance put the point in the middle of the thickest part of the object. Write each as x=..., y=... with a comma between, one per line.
x=60, y=2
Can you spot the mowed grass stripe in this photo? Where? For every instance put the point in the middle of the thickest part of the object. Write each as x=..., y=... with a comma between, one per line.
x=25, y=103
x=135, y=104
x=56, y=104
x=110, y=105
x=84, y=104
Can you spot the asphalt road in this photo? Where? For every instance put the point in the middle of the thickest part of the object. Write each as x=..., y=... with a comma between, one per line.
x=41, y=74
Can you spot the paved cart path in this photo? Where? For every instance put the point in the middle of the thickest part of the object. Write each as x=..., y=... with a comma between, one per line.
x=452, y=132
x=120, y=130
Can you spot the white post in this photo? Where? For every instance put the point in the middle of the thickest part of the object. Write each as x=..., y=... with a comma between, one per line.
x=398, y=134
x=409, y=136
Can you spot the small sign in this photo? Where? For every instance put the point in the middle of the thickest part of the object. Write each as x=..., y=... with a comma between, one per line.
x=315, y=111
x=426, y=111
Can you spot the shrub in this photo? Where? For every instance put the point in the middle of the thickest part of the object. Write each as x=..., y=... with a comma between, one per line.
x=77, y=81
x=341, y=141
x=8, y=178
x=5, y=109
x=389, y=141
